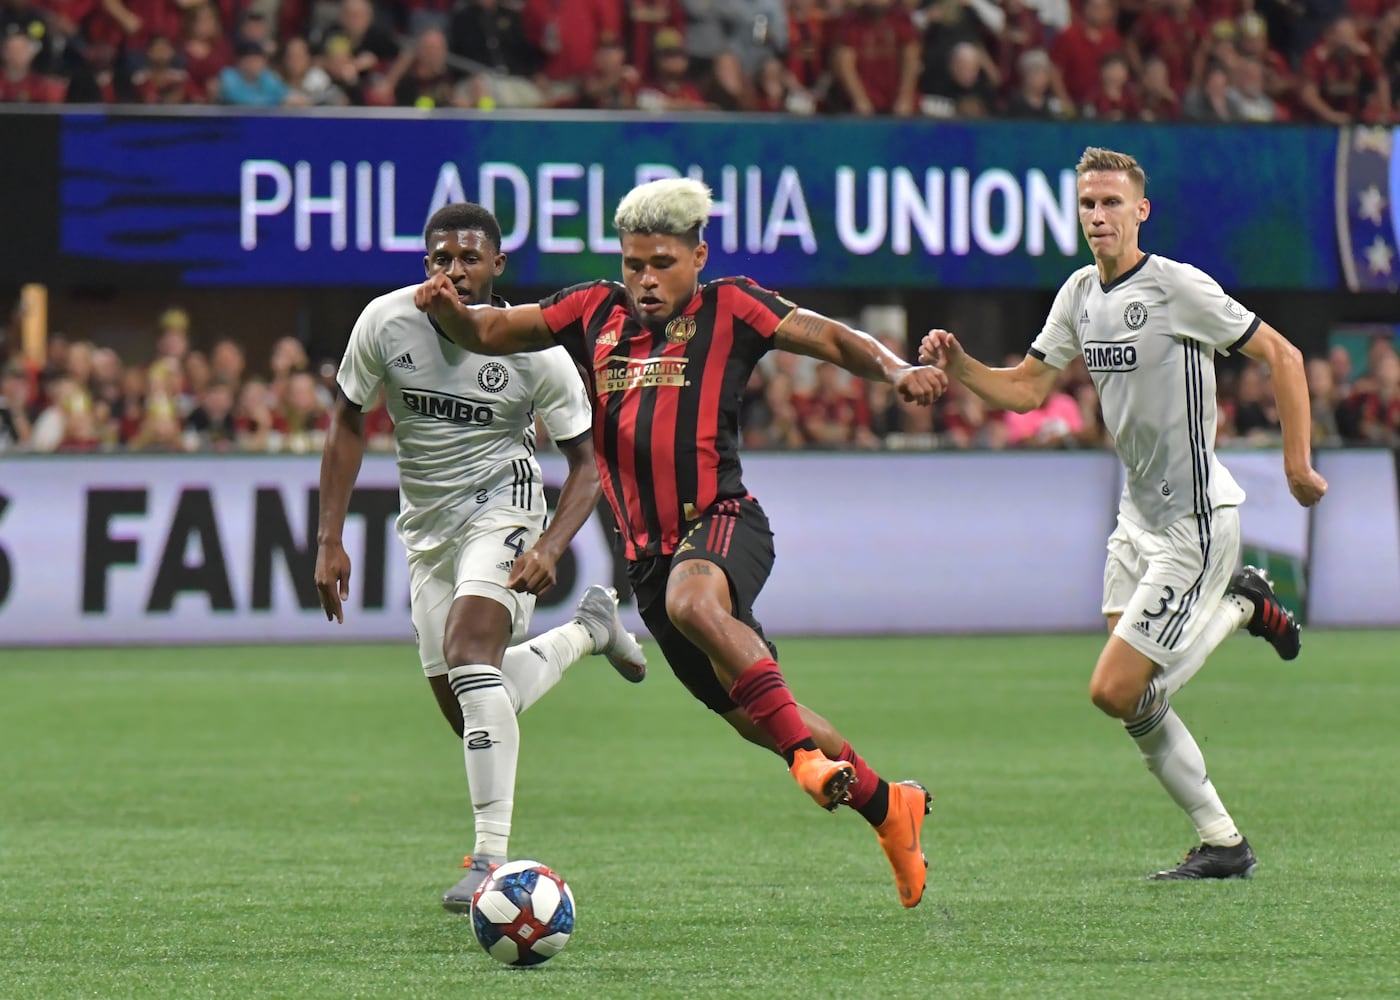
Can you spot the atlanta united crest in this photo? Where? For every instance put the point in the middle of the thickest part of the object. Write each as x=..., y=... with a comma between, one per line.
x=680, y=329
x=493, y=376
x=1135, y=316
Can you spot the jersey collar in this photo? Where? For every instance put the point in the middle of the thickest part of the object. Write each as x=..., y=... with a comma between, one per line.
x=1126, y=274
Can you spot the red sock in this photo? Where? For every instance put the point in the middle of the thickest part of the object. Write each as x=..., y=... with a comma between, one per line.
x=763, y=694
x=870, y=795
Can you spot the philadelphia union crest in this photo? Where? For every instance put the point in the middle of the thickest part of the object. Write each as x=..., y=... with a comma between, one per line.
x=493, y=376
x=1135, y=315
x=680, y=329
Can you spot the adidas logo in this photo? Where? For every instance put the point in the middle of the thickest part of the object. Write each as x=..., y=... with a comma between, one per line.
x=1082, y=319
x=1144, y=627
x=404, y=361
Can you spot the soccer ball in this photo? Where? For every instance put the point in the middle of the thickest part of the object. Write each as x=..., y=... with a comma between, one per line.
x=523, y=914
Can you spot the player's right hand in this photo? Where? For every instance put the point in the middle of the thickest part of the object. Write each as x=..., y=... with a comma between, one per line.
x=333, y=580
x=941, y=348
x=435, y=293
x=1307, y=487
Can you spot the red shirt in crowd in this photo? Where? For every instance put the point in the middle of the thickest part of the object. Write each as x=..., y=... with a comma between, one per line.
x=1341, y=76
x=568, y=32
x=1158, y=32
x=878, y=38
x=1077, y=53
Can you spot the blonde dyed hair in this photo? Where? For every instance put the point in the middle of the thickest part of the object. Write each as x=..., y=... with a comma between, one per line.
x=1111, y=161
x=672, y=206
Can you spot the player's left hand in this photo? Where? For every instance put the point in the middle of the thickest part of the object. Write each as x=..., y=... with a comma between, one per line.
x=920, y=384
x=533, y=573
x=1307, y=487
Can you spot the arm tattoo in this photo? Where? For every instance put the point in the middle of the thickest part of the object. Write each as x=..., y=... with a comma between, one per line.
x=805, y=325
x=693, y=567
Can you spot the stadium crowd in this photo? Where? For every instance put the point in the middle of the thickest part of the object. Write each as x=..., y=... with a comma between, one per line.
x=1331, y=61
x=204, y=395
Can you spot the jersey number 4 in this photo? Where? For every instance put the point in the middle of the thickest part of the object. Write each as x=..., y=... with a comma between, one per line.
x=515, y=541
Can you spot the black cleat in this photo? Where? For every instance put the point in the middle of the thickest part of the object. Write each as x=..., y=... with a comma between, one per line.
x=1271, y=619
x=1208, y=861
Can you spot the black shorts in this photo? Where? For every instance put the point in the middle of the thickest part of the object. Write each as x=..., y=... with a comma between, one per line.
x=734, y=535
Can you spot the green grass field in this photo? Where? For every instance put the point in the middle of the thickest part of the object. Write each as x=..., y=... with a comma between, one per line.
x=280, y=822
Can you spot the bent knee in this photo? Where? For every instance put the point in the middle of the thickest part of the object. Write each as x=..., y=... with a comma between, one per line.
x=1114, y=697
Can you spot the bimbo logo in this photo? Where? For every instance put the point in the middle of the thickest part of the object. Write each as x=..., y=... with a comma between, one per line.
x=1100, y=357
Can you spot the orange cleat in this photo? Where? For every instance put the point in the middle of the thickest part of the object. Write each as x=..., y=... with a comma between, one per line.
x=910, y=802
x=826, y=780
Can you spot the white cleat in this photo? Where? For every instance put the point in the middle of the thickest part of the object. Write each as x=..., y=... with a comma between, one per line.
x=597, y=612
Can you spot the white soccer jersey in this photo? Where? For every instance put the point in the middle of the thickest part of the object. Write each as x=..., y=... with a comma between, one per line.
x=1149, y=342
x=464, y=423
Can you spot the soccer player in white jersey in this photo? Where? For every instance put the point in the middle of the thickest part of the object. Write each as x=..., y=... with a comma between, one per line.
x=1148, y=328
x=472, y=517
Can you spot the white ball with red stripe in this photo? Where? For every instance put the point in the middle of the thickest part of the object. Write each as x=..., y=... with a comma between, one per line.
x=523, y=914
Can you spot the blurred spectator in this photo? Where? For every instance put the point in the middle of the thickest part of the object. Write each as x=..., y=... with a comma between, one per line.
x=834, y=414
x=250, y=81
x=205, y=50
x=15, y=427
x=1342, y=80
x=612, y=85
x=1251, y=102
x=421, y=78
x=300, y=420
x=252, y=417
x=777, y=90
x=644, y=19
x=1388, y=49
x=875, y=59
x=162, y=80
x=670, y=88
x=338, y=60
x=227, y=361
x=1256, y=413
x=372, y=48
x=726, y=88
x=492, y=37
x=1080, y=49
x=19, y=17
x=1280, y=83
x=1377, y=405
x=809, y=30
x=1213, y=100
x=752, y=30
x=1175, y=32
x=1160, y=102
x=19, y=81
x=1022, y=33
x=1115, y=98
x=566, y=33
x=967, y=89
x=308, y=85
x=210, y=424
x=1322, y=392
x=1035, y=96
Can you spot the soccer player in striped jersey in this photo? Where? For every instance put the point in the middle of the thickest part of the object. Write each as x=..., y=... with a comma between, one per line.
x=472, y=514
x=667, y=360
x=1148, y=329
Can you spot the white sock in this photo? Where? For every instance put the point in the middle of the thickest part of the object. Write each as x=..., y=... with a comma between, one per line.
x=1172, y=755
x=490, y=748
x=537, y=664
x=1230, y=615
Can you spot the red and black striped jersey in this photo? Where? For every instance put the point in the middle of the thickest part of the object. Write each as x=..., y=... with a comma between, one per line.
x=666, y=404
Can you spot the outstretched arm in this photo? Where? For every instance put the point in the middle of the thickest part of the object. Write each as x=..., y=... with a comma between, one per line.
x=340, y=466
x=484, y=329
x=533, y=573
x=1022, y=389
x=1294, y=410
x=816, y=336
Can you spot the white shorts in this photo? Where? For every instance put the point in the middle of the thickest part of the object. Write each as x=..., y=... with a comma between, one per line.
x=478, y=562
x=1166, y=584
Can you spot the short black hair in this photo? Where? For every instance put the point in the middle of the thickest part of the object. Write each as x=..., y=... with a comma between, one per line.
x=463, y=215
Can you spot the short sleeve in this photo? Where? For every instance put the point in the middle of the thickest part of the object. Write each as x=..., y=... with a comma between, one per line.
x=755, y=305
x=1057, y=344
x=560, y=397
x=362, y=367
x=1201, y=311
x=566, y=313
